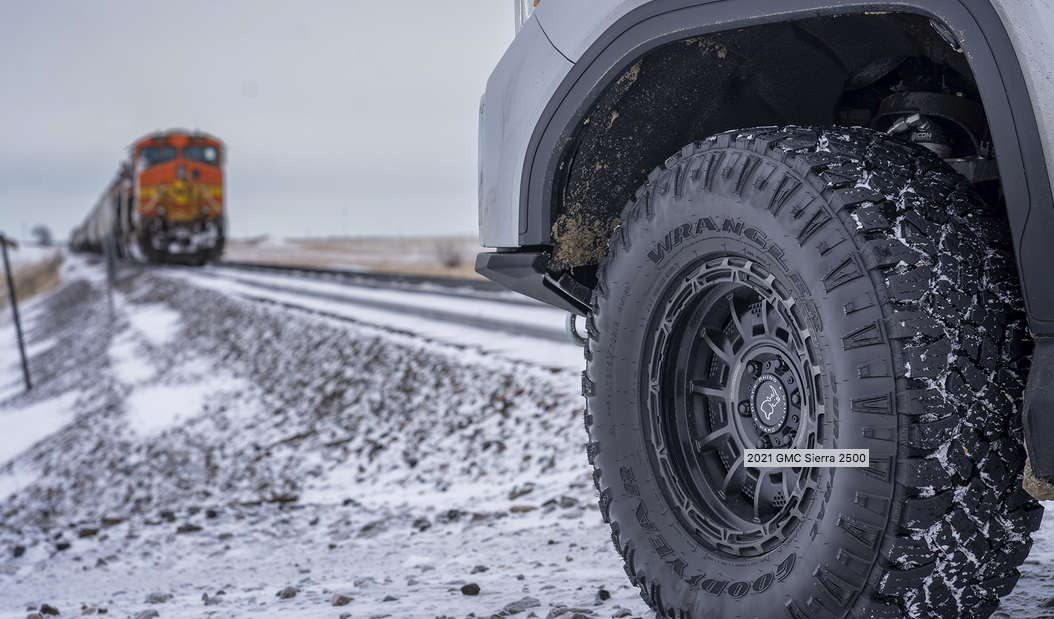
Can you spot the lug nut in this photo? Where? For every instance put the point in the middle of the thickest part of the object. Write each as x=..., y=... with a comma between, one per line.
x=751, y=369
x=761, y=443
x=795, y=399
x=744, y=409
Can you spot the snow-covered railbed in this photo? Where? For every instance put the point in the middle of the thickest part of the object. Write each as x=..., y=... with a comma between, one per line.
x=532, y=333
x=188, y=446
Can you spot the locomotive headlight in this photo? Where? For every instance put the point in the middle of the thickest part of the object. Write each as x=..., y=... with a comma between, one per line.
x=181, y=171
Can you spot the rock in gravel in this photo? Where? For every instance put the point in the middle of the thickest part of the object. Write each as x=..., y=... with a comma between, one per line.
x=188, y=528
x=158, y=598
x=449, y=516
x=215, y=600
x=522, y=509
x=48, y=609
x=603, y=595
x=518, y=492
x=19, y=551
x=568, y=501
x=478, y=569
x=521, y=605
x=87, y=532
x=1047, y=603
x=470, y=589
x=287, y=593
x=339, y=599
x=373, y=528
x=34, y=616
x=564, y=612
x=149, y=613
x=390, y=598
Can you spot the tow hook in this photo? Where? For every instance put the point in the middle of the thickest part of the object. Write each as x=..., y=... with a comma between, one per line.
x=572, y=331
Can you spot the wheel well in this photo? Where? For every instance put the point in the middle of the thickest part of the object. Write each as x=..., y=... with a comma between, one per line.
x=824, y=71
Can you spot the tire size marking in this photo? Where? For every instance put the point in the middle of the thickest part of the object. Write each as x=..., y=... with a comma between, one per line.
x=837, y=458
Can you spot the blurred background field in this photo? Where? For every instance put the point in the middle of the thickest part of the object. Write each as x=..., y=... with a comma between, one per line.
x=448, y=256
x=34, y=269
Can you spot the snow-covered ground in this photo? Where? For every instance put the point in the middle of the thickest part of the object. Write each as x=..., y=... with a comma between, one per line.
x=185, y=442
x=192, y=452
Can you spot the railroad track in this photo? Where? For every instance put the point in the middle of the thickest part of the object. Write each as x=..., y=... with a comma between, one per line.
x=453, y=286
x=480, y=305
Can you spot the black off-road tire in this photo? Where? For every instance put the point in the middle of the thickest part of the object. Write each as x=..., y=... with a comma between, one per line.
x=795, y=288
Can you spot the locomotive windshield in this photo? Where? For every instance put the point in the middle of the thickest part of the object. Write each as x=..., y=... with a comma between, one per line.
x=205, y=154
x=154, y=155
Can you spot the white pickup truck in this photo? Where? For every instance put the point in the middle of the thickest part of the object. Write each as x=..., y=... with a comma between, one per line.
x=793, y=225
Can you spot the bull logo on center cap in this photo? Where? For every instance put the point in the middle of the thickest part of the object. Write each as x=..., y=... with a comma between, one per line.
x=768, y=401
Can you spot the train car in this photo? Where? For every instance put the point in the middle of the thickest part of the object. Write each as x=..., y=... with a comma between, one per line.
x=166, y=203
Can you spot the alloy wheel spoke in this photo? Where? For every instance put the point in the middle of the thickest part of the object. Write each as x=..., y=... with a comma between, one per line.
x=709, y=391
x=736, y=320
x=726, y=430
x=757, y=495
x=717, y=350
x=738, y=464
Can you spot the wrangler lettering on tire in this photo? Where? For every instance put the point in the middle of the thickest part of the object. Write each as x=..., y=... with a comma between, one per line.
x=786, y=288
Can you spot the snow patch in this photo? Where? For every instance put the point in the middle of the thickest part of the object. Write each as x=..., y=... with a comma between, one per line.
x=22, y=428
x=14, y=479
x=156, y=322
x=153, y=409
x=128, y=365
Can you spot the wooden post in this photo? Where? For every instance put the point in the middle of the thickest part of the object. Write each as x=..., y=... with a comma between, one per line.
x=14, y=307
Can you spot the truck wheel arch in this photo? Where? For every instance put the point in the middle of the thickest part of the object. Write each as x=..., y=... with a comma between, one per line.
x=986, y=46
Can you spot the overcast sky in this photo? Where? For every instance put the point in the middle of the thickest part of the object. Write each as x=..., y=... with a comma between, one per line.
x=339, y=116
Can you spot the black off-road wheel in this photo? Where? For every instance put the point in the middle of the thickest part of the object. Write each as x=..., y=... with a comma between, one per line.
x=810, y=288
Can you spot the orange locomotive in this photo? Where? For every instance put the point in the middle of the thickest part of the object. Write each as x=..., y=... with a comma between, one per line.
x=166, y=206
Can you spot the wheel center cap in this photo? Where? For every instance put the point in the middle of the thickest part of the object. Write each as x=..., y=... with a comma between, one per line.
x=768, y=403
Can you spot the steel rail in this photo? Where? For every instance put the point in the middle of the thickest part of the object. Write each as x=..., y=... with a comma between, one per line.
x=451, y=286
x=479, y=290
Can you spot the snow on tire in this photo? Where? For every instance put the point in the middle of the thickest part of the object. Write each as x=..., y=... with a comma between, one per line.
x=870, y=295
